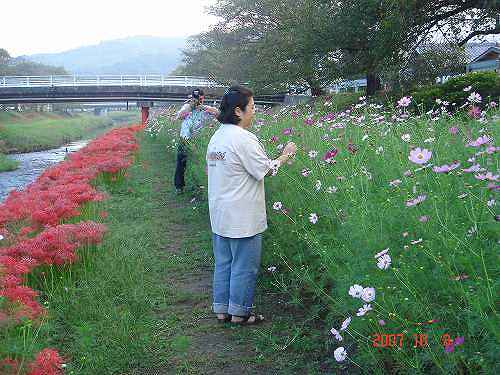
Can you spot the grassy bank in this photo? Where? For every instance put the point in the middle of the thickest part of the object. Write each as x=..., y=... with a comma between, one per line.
x=26, y=132
x=7, y=164
x=140, y=301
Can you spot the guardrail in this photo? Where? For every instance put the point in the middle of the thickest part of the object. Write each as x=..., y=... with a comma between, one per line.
x=106, y=80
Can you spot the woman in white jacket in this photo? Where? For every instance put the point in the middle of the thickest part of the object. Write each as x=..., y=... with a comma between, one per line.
x=237, y=165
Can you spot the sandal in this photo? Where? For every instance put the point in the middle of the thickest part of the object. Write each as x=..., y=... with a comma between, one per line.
x=246, y=321
x=227, y=319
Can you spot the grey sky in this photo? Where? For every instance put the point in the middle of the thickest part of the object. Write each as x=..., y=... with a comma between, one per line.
x=34, y=26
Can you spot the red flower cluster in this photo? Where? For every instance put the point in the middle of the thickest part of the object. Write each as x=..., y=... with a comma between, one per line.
x=47, y=362
x=33, y=233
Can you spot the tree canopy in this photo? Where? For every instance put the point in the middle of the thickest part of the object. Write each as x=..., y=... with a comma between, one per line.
x=278, y=44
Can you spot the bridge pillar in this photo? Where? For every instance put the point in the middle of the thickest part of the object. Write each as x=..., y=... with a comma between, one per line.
x=145, y=114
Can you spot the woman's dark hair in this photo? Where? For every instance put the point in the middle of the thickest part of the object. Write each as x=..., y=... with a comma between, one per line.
x=235, y=96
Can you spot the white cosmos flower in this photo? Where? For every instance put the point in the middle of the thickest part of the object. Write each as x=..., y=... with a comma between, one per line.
x=317, y=186
x=313, y=218
x=406, y=137
x=384, y=262
x=368, y=294
x=356, y=291
x=331, y=189
x=345, y=324
x=277, y=206
x=381, y=253
x=340, y=354
x=313, y=154
x=336, y=333
x=271, y=269
x=363, y=310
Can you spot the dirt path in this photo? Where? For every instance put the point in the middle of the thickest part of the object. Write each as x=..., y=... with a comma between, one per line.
x=197, y=343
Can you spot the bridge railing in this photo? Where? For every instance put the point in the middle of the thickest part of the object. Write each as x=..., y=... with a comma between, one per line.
x=106, y=80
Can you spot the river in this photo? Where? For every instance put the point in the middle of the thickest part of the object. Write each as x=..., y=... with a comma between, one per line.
x=31, y=165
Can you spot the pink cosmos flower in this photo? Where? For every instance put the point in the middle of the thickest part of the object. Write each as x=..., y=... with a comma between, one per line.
x=274, y=139
x=453, y=130
x=446, y=168
x=488, y=176
x=492, y=149
x=404, y=101
x=305, y=172
x=474, y=112
x=423, y=219
x=309, y=121
x=288, y=131
x=480, y=141
x=420, y=156
x=417, y=200
x=330, y=154
x=473, y=168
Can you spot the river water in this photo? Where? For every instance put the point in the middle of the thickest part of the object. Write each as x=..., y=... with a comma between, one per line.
x=31, y=165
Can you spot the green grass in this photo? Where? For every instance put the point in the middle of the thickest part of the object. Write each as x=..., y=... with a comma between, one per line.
x=7, y=164
x=28, y=132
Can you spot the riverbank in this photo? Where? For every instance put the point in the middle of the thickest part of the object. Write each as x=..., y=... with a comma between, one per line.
x=140, y=301
x=23, y=132
x=34, y=131
x=7, y=164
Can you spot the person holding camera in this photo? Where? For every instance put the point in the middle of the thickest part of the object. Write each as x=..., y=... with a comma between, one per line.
x=237, y=164
x=195, y=116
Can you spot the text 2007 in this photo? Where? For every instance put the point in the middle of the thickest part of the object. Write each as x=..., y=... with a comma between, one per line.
x=391, y=340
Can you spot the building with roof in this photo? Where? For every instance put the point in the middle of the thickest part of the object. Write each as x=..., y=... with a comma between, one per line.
x=486, y=60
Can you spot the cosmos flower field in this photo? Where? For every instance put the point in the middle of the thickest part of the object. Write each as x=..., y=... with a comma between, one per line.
x=386, y=225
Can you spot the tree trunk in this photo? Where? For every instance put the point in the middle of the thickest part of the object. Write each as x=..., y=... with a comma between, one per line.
x=372, y=83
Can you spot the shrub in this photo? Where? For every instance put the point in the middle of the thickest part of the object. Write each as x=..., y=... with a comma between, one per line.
x=486, y=83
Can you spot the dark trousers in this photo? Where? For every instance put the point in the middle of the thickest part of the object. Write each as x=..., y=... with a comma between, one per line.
x=180, y=168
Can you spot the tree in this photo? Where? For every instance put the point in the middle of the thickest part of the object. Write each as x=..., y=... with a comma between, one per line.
x=22, y=67
x=268, y=44
x=275, y=44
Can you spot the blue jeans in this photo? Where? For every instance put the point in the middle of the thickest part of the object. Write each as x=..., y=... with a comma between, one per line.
x=237, y=262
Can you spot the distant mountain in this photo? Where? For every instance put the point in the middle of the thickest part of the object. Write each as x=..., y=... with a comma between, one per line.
x=133, y=55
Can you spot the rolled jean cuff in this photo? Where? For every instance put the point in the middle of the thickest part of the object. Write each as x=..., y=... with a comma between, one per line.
x=220, y=308
x=239, y=310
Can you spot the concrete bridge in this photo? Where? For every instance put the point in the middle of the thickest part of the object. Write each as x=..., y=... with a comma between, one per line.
x=145, y=90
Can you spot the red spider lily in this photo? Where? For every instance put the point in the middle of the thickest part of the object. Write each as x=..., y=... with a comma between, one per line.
x=47, y=362
x=55, y=196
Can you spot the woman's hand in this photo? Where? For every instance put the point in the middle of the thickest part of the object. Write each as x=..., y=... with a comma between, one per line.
x=290, y=149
